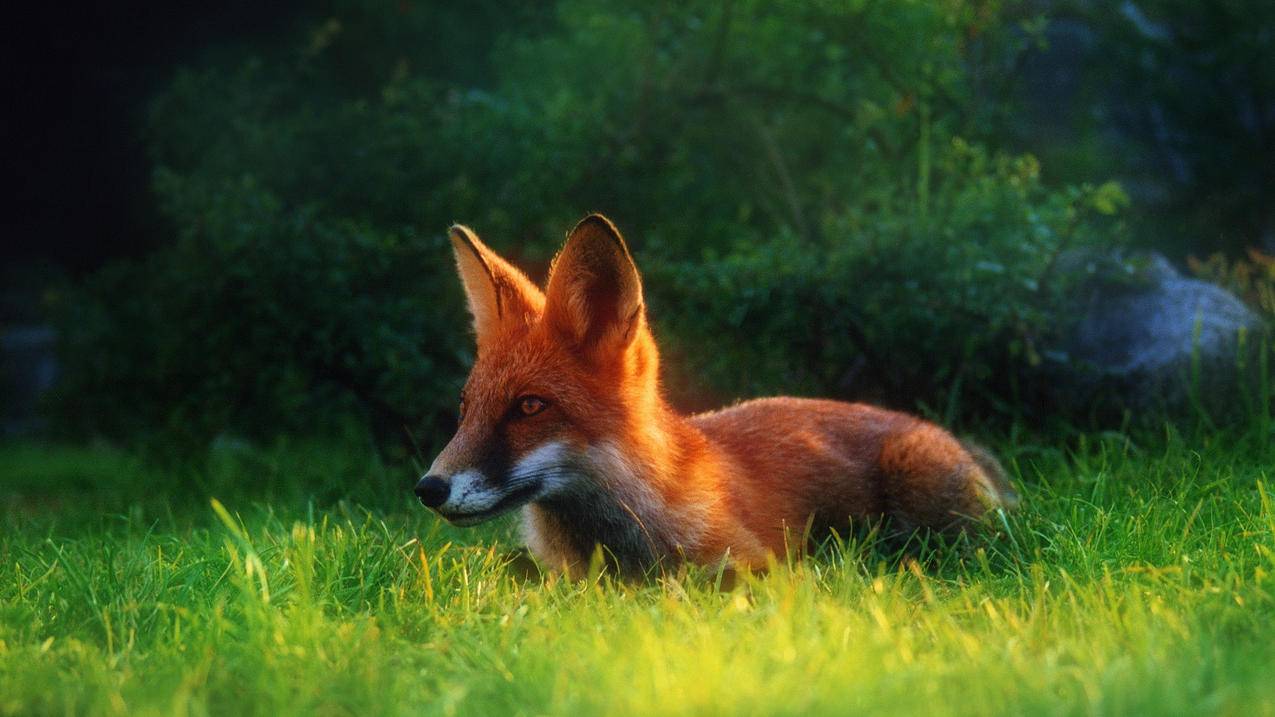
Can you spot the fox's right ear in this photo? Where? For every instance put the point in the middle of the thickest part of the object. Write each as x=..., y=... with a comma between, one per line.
x=498, y=294
x=594, y=297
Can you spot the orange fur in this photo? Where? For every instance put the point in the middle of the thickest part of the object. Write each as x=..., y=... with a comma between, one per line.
x=619, y=468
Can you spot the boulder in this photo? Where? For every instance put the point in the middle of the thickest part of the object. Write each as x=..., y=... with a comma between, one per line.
x=1150, y=338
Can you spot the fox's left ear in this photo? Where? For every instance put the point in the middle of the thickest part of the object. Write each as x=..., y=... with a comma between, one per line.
x=594, y=295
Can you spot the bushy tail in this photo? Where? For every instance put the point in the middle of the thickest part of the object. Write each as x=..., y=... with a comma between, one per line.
x=932, y=480
x=995, y=474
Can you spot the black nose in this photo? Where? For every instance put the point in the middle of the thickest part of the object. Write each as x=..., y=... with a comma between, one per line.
x=432, y=491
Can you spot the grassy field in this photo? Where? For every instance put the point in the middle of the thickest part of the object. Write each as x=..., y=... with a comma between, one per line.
x=1139, y=578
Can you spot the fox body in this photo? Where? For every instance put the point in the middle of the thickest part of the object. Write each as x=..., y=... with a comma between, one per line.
x=562, y=416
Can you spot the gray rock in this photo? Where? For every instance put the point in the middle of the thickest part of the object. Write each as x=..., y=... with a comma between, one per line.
x=1149, y=337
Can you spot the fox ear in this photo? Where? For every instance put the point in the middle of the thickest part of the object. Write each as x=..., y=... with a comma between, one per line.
x=595, y=295
x=498, y=293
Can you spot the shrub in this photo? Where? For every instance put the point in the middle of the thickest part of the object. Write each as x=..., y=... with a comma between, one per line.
x=261, y=319
x=954, y=309
x=812, y=174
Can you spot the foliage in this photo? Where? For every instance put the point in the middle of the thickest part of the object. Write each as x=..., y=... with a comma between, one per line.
x=955, y=307
x=829, y=156
x=261, y=319
x=1137, y=579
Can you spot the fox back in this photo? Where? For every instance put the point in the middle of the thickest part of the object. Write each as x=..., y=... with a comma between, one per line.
x=562, y=416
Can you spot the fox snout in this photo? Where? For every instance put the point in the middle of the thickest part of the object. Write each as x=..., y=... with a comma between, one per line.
x=476, y=493
x=467, y=497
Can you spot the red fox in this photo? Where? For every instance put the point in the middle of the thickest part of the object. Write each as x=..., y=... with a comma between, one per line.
x=562, y=416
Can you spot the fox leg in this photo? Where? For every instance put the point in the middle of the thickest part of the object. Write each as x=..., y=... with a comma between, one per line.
x=932, y=480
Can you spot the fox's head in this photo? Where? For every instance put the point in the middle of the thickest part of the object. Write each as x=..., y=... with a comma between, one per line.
x=558, y=374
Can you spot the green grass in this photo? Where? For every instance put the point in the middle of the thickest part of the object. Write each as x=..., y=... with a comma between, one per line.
x=1137, y=579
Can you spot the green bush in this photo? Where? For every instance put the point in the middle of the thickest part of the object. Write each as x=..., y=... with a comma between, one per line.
x=954, y=308
x=264, y=320
x=806, y=185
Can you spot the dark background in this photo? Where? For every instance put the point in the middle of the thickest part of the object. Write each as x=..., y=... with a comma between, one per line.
x=77, y=77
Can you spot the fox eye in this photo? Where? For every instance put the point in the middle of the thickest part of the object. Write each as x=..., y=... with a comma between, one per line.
x=531, y=405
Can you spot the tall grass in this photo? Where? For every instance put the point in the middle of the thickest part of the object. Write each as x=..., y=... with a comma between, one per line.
x=300, y=579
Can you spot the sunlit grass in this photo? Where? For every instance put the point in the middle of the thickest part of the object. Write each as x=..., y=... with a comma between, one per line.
x=1137, y=579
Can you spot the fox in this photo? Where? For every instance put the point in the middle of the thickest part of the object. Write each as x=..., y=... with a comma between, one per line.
x=562, y=417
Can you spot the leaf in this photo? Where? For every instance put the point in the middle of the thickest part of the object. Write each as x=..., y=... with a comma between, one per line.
x=1109, y=198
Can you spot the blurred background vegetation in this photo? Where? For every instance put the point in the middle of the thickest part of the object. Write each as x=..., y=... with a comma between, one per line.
x=865, y=199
